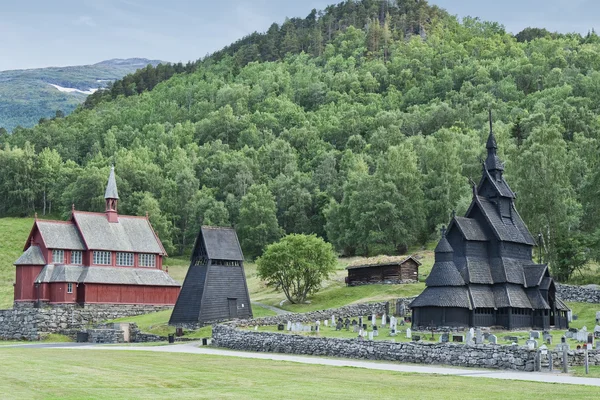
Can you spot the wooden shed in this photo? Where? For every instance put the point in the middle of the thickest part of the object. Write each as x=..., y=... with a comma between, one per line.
x=383, y=269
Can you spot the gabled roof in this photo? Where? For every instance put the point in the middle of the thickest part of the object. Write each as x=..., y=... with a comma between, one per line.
x=534, y=274
x=510, y=230
x=58, y=234
x=444, y=273
x=470, y=228
x=445, y=296
x=111, y=187
x=536, y=299
x=32, y=256
x=381, y=261
x=443, y=246
x=560, y=305
x=129, y=234
x=482, y=296
x=221, y=243
x=479, y=270
x=499, y=184
x=105, y=275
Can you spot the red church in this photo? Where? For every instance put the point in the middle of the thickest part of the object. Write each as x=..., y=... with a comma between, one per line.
x=94, y=258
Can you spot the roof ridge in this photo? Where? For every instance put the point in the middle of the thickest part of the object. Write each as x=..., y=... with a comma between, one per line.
x=54, y=221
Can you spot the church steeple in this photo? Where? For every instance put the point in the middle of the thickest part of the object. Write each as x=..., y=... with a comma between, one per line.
x=111, y=195
x=492, y=163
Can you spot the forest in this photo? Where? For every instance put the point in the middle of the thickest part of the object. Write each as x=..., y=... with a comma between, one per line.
x=364, y=124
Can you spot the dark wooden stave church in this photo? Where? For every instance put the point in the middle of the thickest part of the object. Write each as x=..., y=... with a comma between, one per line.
x=484, y=274
x=215, y=286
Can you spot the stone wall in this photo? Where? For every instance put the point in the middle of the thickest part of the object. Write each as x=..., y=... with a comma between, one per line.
x=105, y=336
x=28, y=323
x=579, y=294
x=479, y=356
x=353, y=310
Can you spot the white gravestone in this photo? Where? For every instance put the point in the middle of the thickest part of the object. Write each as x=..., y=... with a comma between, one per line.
x=371, y=335
x=333, y=320
x=326, y=322
x=373, y=319
x=408, y=333
x=470, y=338
x=478, y=336
x=255, y=327
x=493, y=339
x=289, y=325
x=531, y=344
x=383, y=320
x=582, y=334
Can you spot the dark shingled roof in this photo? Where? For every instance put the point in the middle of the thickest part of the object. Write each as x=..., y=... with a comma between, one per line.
x=536, y=299
x=560, y=305
x=60, y=235
x=130, y=234
x=111, y=188
x=482, y=296
x=513, y=268
x=105, y=275
x=546, y=282
x=507, y=229
x=479, y=270
x=471, y=229
x=444, y=273
x=534, y=274
x=517, y=296
x=381, y=261
x=32, y=256
x=444, y=246
x=222, y=243
x=449, y=296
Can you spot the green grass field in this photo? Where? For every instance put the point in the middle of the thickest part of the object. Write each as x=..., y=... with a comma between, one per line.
x=13, y=235
x=79, y=374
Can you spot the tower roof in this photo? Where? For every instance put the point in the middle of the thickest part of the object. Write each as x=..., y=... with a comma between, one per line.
x=443, y=245
x=111, y=186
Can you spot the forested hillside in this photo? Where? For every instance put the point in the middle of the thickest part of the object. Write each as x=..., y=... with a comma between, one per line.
x=369, y=142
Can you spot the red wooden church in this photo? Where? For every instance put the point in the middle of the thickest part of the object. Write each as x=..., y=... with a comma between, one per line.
x=94, y=258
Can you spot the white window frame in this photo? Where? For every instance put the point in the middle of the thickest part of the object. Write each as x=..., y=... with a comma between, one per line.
x=102, y=257
x=69, y=287
x=147, y=260
x=76, y=257
x=125, y=259
x=58, y=256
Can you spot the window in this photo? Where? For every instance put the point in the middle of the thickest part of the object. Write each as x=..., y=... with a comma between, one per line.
x=69, y=287
x=58, y=256
x=125, y=259
x=76, y=257
x=102, y=258
x=147, y=260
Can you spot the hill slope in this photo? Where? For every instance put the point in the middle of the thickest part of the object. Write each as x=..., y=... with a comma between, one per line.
x=31, y=94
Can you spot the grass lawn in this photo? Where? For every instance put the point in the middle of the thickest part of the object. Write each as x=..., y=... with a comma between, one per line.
x=69, y=374
x=594, y=371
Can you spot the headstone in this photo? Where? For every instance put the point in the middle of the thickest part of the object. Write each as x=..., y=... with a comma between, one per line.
x=486, y=335
x=402, y=322
x=326, y=322
x=598, y=345
x=364, y=327
x=470, y=341
x=371, y=335
x=360, y=321
x=531, y=344
x=598, y=317
x=255, y=327
x=534, y=335
x=416, y=338
x=458, y=338
x=402, y=310
x=597, y=334
x=383, y=320
x=444, y=337
x=307, y=328
x=569, y=316
x=338, y=326
x=493, y=339
x=472, y=332
x=280, y=327
x=289, y=325
x=375, y=333
x=582, y=335
x=569, y=335
x=375, y=327
x=347, y=323
x=318, y=326
x=514, y=339
x=355, y=328
x=575, y=317
x=590, y=339
x=373, y=319
x=408, y=333
x=333, y=320
x=478, y=336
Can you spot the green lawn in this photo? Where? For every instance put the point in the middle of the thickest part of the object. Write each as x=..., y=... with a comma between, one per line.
x=70, y=374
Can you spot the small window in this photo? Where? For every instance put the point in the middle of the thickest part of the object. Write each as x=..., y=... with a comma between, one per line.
x=58, y=256
x=102, y=258
x=76, y=257
x=125, y=259
x=147, y=260
x=69, y=287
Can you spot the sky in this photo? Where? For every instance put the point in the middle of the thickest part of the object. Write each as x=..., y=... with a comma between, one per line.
x=42, y=33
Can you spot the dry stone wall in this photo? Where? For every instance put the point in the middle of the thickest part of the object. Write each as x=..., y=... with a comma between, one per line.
x=28, y=323
x=579, y=294
x=479, y=356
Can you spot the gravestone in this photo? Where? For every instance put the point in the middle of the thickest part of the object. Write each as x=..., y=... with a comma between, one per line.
x=470, y=338
x=598, y=317
x=486, y=335
x=280, y=327
x=402, y=312
x=371, y=335
x=472, y=332
x=333, y=320
x=514, y=339
x=369, y=317
x=492, y=339
x=444, y=337
x=598, y=345
x=478, y=336
x=408, y=333
x=534, y=335
x=338, y=326
x=383, y=320
x=458, y=338
x=531, y=344
x=402, y=322
x=375, y=333
x=347, y=323
x=590, y=339
x=569, y=316
x=373, y=319
x=575, y=317
x=326, y=322
x=416, y=338
x=289, y=325
x=255, y=327
x=569, y=335
x=318, y=326
x=360, y=321
x=582, y=335
x=547, y=338
x=364, y=327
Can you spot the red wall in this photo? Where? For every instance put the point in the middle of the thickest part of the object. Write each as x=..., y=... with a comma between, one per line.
x=130, y=294
x=58, y=293
x=24, y=286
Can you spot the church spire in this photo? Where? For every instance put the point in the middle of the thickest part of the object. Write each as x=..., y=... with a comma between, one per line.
x=111, y=195
x=492, y=163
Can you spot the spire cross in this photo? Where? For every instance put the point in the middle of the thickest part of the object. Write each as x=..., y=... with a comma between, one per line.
x=443, y=230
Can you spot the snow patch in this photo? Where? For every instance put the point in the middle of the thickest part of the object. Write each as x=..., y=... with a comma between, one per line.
x=72, y=90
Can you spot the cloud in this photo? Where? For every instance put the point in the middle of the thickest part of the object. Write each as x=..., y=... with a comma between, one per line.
x=85, y=21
